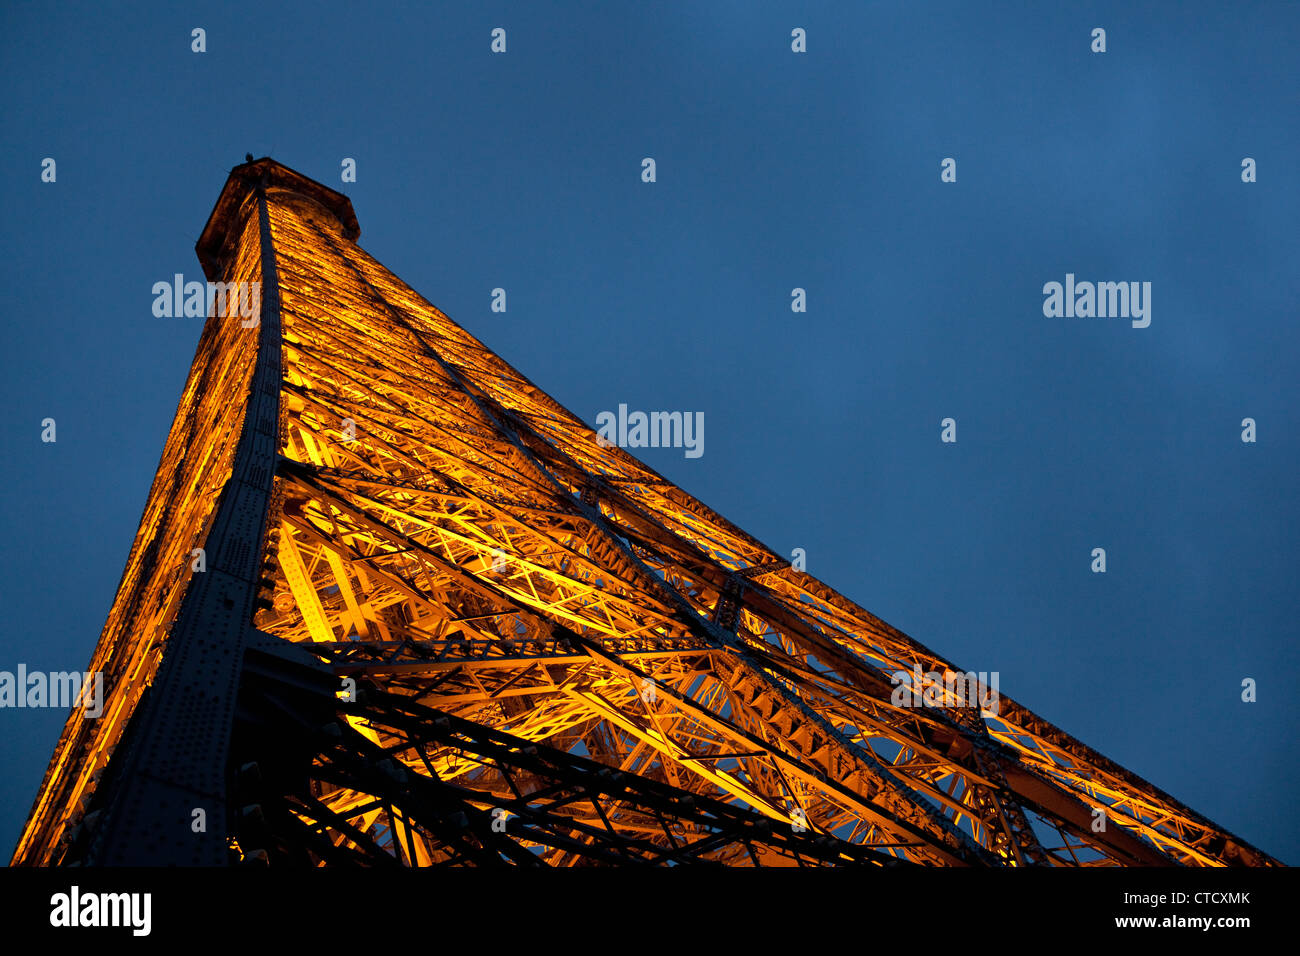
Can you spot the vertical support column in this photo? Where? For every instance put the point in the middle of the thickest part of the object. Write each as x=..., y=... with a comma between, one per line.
x=176, y=746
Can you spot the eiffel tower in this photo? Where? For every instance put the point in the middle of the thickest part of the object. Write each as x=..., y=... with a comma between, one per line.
x=390, y=604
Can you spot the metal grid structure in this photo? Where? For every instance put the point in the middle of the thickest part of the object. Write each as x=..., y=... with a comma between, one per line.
x=442, y=623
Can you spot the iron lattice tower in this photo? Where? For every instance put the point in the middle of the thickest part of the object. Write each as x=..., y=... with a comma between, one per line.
x=440, y=622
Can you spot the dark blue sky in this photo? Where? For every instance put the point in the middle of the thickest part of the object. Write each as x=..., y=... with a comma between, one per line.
x=775, y=170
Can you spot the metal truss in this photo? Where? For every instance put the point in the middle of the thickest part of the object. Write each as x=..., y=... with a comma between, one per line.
x=442, y=623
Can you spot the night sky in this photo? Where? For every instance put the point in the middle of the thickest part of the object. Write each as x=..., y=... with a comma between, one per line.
x=775, y=170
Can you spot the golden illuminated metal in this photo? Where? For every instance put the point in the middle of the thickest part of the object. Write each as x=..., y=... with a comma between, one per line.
x=444, y=529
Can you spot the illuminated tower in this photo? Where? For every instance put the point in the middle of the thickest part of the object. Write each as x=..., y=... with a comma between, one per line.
x=390, y=604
